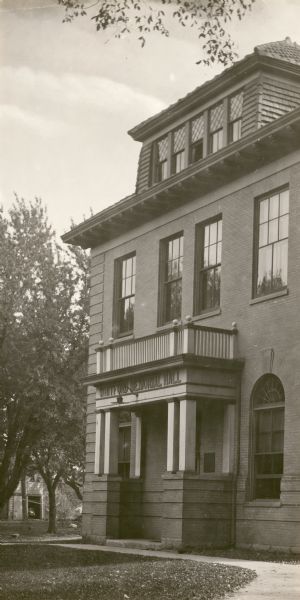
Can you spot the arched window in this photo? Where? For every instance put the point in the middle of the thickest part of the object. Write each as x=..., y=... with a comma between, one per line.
x=268, y=430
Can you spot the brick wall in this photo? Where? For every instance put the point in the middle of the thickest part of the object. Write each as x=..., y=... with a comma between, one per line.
x=269, y=324
x=92, y=486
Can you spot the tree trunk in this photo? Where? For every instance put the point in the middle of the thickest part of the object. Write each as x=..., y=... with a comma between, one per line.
x=52, y=509
x=24, y=498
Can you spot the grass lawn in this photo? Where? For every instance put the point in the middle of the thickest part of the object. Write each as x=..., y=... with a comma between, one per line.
x=45, y=572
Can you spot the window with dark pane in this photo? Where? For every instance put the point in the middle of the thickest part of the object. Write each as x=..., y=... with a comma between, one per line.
x=172, y=284
x=124, y=445
x=126, y=272
x=216, y=115
x=268, y=405
x=209, y=462
x=197, y=135
x=161, y=167
x=178, y=150
x=210, y=256
x=235, y=117
x=272, y=243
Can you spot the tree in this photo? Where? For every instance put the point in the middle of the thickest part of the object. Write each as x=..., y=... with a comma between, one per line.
x=209, y=18
x=59, y=455
x=43, y=333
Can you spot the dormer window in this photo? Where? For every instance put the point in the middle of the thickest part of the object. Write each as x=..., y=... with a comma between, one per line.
x=235, y=117
x=178, y=162
x=197, y=136
x=216, y=120
x=162, y=159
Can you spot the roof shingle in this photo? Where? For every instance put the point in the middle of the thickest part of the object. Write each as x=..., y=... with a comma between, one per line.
x=282, y=50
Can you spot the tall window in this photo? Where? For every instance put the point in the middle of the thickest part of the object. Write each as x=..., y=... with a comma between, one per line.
x=197, y=135
x=216, y=127
x=171, y=279
x=161, y=167
x=272, y=243
x=208, y=265
x=268, y=407
x=178, y=150
x=124, y=445
x=235, y=117
x=125, y=272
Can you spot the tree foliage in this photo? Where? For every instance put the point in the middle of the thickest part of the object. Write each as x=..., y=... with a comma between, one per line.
x=43, y=337
x=209, y=18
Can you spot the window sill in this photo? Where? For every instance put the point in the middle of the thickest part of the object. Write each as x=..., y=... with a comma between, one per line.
x=168, y=326
x=207, y=315
x=123, y=337
x=270, y=296
x=263, y=503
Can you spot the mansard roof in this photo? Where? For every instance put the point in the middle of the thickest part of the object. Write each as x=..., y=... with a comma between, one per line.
x=251, y=152
x=283, y=55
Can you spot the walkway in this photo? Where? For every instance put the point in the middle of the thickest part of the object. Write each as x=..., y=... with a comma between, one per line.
x=275, y=581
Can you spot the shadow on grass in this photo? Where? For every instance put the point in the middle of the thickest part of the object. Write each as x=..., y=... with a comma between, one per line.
x=17, y=557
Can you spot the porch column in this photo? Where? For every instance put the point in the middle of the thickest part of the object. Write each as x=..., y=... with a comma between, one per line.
x=135, y=445
x=228, y=438
x=187, y=435
x=111, y=443
x=99, y=444
x=173, y=436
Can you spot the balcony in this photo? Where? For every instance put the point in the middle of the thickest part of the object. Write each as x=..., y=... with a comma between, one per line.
x=188, y=339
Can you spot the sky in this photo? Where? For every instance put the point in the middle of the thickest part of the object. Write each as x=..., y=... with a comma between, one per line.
x=69, y=94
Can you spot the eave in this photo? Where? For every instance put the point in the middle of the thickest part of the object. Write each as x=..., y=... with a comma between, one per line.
x=235, y=160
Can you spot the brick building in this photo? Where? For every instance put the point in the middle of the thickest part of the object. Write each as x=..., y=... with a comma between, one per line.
x=194, y=382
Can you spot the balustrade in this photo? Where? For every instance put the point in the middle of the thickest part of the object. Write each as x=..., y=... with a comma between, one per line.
x=181, y=339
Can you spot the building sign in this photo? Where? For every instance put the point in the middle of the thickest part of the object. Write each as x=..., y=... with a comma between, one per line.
x=135, y=385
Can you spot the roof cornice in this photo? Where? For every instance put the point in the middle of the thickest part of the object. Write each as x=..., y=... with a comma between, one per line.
x=263, y=146
x=239, y=71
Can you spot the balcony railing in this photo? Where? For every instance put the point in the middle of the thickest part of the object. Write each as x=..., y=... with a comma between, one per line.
x=181, y=339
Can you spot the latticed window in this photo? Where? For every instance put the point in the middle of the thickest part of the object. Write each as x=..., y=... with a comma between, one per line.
x=208, y=275
x=216, y=116
x=197, y=135
x=272, y=243
x=235, y=117
x=125, y=273
x=178, y=150
x=162, y=159
x=268, y=407
x=124, y=444
x=171, y=278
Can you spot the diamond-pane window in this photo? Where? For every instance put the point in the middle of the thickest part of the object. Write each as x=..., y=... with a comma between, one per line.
x=236, y=106
x=178, y=151
x=162, y=146
x=161, y=159
x=197, y=129
x=197, y=135
x=216, y=117
x=235, y=117
x=178, y=143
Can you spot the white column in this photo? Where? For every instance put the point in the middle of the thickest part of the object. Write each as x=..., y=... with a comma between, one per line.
x=111, y=443
x=138, y=445
x=228, y=438
x=187, y=435
x=99, y=443
x=173, y=436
